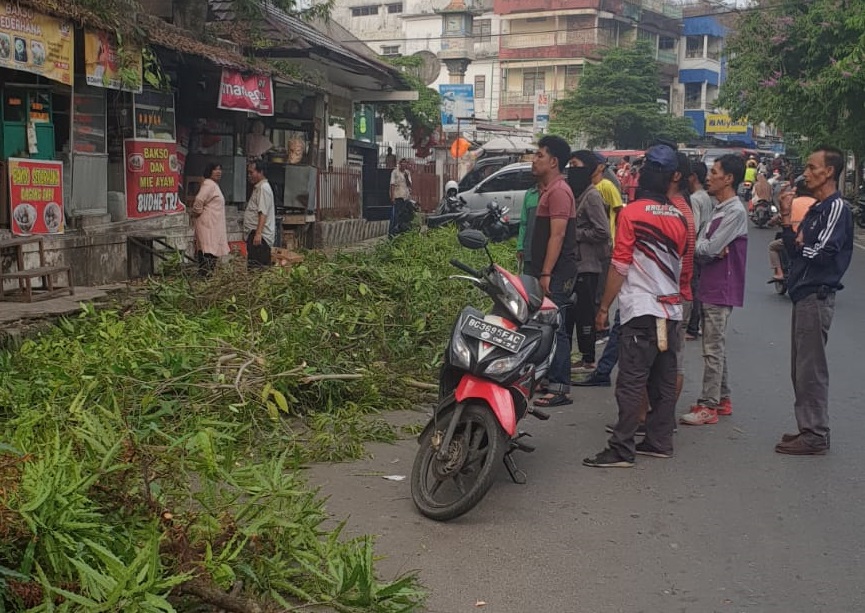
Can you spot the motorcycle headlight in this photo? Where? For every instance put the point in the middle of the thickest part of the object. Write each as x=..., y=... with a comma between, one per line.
x=504, y=365
x=461, y=355
x=773, y=208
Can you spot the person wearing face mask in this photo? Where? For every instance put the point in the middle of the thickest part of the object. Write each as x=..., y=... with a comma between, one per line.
x=593, y=249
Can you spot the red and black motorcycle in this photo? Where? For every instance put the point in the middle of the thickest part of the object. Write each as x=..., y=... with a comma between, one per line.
x=493, y=363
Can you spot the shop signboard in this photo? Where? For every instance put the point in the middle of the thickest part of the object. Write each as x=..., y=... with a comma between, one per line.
x=36, y=196
x=542, y=111
x=152, y=179
x=717, y=123
x=457, y=101
x=252, y=93
x=32, y=42
x=103, y=62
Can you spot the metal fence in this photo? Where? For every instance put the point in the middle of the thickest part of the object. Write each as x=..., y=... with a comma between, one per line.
x=339, y=191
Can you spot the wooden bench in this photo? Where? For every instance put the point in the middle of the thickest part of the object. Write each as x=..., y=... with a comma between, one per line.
x=13, y=248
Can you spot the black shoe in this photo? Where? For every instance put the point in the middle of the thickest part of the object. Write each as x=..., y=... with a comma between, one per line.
x=641, y=429
x=593, y=380
x=608, y=459
x=645, y=448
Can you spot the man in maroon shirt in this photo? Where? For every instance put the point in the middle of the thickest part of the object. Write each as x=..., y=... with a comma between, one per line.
x=554, y=255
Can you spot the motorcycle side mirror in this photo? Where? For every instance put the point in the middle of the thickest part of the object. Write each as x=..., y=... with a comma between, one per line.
x=472, y=239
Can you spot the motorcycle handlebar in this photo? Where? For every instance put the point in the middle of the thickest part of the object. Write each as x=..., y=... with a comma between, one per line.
x=466, y=268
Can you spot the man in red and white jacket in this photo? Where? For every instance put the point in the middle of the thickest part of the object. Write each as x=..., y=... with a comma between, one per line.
x=651, y=243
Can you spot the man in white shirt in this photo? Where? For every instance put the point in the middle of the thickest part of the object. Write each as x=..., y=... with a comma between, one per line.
x=259, y=219
x=400, y=197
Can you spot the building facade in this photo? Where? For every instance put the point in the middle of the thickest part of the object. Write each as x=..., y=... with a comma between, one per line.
x=702, y=68
x=407, y=27
x=546, y=43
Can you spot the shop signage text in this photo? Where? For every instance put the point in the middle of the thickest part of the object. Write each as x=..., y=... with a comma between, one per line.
x=152, y=179
x=253, y=93
x=32, y=42
x=102, y=62
x=36, y=196
x=723, y=124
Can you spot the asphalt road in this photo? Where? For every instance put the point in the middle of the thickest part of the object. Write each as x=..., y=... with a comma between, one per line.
x=727, y=525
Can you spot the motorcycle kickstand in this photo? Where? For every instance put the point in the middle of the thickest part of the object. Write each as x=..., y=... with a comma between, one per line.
x=517, y=476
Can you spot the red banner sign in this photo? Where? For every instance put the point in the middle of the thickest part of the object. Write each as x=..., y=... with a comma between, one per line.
x=253, y=93
x=152, y=179
x=36, y=196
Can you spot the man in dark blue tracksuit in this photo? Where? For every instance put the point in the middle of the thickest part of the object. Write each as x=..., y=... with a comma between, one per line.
x=820, y=254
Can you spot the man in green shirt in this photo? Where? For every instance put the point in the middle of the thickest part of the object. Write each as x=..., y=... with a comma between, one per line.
x=527, y=226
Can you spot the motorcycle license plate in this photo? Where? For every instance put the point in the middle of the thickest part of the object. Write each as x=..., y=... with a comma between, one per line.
x=493, y=334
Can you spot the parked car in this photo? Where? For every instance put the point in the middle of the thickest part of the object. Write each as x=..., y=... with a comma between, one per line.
x=483, y=168
x=507, y=186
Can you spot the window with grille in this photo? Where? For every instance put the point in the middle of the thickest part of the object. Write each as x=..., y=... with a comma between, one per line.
x=533, y=82
x=572, y=77
x=482, y=30
x=480, y=86
x=390, y=50
x=364, y=11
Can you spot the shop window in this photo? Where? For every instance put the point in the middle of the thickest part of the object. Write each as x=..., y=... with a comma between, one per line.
x=480, y=86
x=572, y=77
x=394, y=8
x=482, y=30
x=154, y=115
x=364, y=11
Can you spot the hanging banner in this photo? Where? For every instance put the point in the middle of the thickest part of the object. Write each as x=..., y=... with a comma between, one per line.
x=542, y=111
x=152, y=179
x=253, y=93
x=102, y=63
x=36, y=43
x=36, y=196
x=458, y=101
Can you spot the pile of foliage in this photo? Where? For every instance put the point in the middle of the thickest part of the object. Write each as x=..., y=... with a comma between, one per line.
x=149, y=454
x=617, y=102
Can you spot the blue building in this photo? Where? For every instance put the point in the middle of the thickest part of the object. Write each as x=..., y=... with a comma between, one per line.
x=702, y=70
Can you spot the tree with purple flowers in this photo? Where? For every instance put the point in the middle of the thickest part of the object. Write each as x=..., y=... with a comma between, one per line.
x=801, y=66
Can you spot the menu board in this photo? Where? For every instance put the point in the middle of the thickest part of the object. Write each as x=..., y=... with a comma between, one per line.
x=154, y=116
x=152, y=179
x=36, y=196
x=36, y=43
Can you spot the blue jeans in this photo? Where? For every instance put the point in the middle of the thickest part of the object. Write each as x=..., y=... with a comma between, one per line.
x=611, y=351
x=559, y=375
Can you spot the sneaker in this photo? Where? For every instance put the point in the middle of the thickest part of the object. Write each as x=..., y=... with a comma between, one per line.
x=799, y=446
x=699, y=416
x=641, y=429
x=726, y=407
x=593, y=380
x=608, y=459
x=582, y=366
x=645, y=448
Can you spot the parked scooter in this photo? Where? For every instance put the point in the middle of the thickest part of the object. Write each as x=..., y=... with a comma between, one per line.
x=496, y=224
x=492, y=365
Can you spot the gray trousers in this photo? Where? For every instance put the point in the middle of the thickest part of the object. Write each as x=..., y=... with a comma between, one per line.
x=715, y=379
x=642, y=368
x=809, y=370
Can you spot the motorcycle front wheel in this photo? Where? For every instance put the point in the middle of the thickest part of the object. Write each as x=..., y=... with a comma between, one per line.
x=445, y=489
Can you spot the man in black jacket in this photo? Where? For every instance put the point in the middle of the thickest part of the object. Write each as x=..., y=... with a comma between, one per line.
x=819, y=253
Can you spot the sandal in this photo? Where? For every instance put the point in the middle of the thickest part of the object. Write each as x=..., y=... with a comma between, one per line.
x=555, y=400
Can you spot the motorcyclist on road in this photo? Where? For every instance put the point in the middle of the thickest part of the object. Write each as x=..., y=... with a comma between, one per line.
x=450, y=203
x=801, y=203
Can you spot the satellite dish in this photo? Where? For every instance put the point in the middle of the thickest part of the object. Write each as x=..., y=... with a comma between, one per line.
x=430, y=67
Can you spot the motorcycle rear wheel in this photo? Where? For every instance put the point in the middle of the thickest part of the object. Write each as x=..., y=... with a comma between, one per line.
x=859, y=216
x=477, y=448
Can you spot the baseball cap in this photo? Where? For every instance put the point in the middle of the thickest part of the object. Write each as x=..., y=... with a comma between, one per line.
x=663, y=157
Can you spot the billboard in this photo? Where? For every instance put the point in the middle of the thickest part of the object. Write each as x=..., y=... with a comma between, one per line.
x=102, y=62
x=458, y=101
x=722, y=124
x=36, y=43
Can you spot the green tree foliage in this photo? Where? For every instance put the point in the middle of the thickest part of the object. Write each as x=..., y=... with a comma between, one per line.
x=415, y=120
x=799, y=66
x=617, y=102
